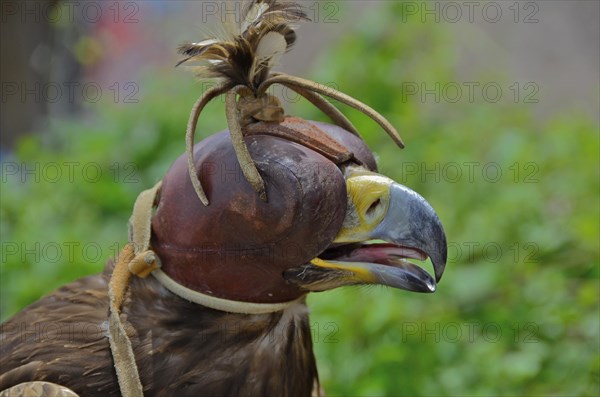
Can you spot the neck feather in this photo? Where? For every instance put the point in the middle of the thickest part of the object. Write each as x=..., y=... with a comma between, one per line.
x=196, y=350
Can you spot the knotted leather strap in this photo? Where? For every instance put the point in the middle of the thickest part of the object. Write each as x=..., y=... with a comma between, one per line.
x=120, y=345
x=133, y=258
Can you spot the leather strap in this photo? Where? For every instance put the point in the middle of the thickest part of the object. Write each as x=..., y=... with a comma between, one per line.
x=303, y=133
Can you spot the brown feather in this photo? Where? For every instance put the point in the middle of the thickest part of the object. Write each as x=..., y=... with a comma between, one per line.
x=181, y=348
x=234, y=58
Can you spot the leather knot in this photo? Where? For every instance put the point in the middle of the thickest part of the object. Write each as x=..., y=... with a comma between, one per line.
x=144, y=263
x=264, y=108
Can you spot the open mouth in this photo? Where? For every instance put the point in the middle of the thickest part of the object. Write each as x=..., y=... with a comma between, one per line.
x=385, y=263
x=370, y=262
x=387, y=227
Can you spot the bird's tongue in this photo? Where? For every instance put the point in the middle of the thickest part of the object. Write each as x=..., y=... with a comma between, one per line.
x=385, y=254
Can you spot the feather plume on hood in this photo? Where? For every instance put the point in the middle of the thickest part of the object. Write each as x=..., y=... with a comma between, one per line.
x=242, y=58
x=250, y=48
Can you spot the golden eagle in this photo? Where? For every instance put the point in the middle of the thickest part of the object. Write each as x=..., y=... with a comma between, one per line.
x=229, y=244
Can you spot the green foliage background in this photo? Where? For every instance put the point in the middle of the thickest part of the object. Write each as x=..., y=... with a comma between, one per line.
x=522, y=320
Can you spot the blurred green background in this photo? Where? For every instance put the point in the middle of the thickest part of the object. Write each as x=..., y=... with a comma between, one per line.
x=517, y=312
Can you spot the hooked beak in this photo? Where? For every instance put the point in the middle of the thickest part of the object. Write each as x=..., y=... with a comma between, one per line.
x=382, y=210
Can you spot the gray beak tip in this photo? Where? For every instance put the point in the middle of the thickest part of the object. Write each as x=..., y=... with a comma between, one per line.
x=411, y=221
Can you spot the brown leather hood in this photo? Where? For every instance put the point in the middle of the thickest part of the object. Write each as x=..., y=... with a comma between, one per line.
x=238, y=247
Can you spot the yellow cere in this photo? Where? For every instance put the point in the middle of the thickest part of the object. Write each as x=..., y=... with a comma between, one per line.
x=368, y=201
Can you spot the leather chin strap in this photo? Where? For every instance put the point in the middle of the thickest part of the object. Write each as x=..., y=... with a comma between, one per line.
x=138, y=258
x=221, y=304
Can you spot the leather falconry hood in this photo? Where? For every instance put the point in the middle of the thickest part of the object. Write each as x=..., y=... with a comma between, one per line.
x=244, y=205
x=238, y=246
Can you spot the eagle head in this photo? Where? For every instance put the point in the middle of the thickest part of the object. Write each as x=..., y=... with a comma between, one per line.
x=330, y=219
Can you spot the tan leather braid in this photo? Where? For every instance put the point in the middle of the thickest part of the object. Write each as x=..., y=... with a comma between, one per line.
x=120, y=345
x=140, y=231
x=134, y=258
x=237, y=140
x=288, y=81
x=265, y=108
x=191, y=131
